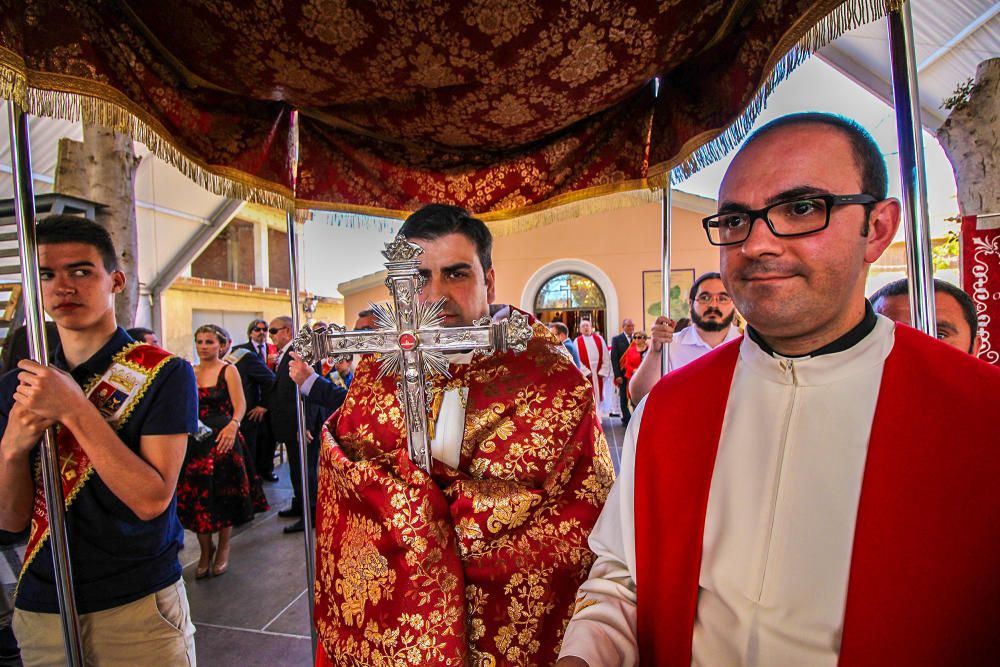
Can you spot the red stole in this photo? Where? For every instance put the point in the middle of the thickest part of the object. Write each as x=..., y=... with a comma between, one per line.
x=581, y=348
x=924, y=583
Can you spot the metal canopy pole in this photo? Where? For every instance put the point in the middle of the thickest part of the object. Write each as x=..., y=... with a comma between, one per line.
x=24, y=214
x=293, y=268
x=666, y=214
x=913, y=177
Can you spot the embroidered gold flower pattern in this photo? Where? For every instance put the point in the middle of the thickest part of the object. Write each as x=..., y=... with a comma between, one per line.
x=487, y=557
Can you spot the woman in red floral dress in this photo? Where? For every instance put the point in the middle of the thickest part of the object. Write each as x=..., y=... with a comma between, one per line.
x=214, y=492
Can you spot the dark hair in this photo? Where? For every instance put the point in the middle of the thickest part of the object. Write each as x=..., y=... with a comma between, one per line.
x=436, y=220
x=711, y=275
x=560, y=327
x=75, y=229
x=367, y=312
x=901, y=287
x=139, y=333
x=867, y=155
x=253, y=325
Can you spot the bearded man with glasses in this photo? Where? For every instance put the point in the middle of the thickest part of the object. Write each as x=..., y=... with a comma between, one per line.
x=712, y=314
x=817, y=492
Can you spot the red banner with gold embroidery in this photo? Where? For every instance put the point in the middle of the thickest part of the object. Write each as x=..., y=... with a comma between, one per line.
x=981, y=279
x=476, y=565
x=115, y=394
x=497, y=107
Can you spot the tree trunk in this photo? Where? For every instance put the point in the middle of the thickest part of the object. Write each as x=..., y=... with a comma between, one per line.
x=102, y=169
x=971, y=139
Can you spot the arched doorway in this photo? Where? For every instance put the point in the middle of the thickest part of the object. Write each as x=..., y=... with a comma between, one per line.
x=569, y=298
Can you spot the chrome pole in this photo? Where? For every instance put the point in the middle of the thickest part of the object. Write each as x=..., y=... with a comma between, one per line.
x=913, y=177
x=24, y=214
x=666, y=213
x=293, y=268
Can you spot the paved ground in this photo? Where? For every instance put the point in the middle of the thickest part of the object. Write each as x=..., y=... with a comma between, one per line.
x=257, y=613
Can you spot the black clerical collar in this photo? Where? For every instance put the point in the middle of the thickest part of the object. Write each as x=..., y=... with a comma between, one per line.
x=845, y=342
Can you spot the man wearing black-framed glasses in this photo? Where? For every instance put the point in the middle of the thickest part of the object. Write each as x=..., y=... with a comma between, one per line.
x=712, y=315
x=795, y=497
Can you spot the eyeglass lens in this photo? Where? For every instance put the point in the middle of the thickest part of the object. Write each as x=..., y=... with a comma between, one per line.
x=787, y=219
x=705, y=297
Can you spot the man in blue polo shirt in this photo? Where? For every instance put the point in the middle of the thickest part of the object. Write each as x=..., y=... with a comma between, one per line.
x=122, y=412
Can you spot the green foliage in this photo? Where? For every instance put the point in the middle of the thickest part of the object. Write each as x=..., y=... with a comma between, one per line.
x=945, y=254
x=961, y=95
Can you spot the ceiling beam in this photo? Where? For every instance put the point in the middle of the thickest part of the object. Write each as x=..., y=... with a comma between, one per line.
x=948, y=46
x=195, y=245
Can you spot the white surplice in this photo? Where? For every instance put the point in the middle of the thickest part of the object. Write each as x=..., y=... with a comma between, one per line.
x=780, y=521
x=599, y=367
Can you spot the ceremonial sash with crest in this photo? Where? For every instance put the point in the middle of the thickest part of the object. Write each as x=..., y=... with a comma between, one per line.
x=116, y=393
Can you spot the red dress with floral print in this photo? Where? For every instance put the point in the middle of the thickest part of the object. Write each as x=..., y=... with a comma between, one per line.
x=215, y=489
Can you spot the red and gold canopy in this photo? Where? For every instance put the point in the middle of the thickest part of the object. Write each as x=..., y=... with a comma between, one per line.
x=501, y=106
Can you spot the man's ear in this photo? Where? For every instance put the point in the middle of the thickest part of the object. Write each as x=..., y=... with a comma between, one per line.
x=491, y=289
x=977, y=342
x=883, y=221
x=118, y=281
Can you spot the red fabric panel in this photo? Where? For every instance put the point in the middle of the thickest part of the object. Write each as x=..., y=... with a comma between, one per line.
x=924, y=586
x=981, y=279
x=675, y=456
x=493, y=106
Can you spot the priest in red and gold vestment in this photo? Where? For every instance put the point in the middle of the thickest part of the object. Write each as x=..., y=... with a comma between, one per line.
x=479, y=562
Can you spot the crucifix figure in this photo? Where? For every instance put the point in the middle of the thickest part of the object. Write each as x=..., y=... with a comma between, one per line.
x=410, y=342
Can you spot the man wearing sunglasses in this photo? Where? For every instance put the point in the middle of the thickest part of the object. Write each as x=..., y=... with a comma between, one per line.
x=817, y=492
x=712, y=314
x=250, y=359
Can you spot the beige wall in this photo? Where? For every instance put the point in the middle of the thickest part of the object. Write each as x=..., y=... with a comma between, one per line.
x=621, y=243
x=355, y=303
x=183, y=298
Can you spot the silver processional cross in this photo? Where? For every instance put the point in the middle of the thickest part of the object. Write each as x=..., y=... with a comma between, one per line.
x=409, y=342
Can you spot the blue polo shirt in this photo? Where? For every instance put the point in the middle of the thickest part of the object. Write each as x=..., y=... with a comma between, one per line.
x=116, y=557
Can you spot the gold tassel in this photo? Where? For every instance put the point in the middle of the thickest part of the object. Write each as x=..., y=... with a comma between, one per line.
x=583, y=204
x=75, y=107
x=714, y=145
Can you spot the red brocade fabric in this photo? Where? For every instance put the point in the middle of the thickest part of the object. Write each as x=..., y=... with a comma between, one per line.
x=471, y=566
x=492, y=106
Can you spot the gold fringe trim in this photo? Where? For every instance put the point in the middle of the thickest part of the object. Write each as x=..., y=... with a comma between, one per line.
x=73, y=99
x=790, y=52
x=586, y=203
x=511, y=221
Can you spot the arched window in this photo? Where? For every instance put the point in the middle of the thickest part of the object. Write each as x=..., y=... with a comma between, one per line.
x=570, y=291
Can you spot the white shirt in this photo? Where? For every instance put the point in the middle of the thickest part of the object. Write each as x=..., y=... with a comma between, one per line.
x=779, y=527
x=688, y=345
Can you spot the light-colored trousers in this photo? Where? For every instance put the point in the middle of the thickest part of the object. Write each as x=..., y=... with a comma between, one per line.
x=154, y=630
